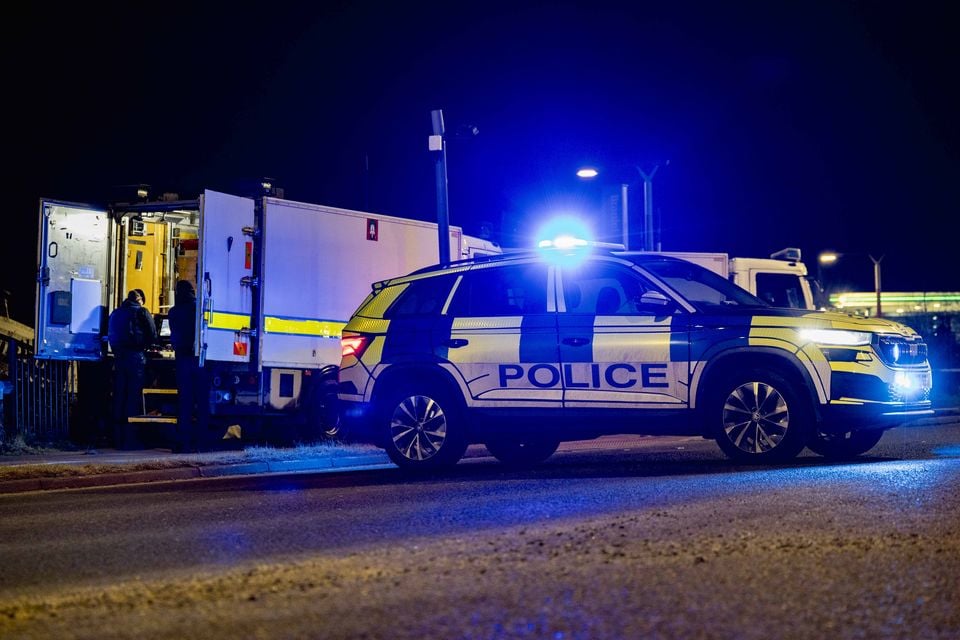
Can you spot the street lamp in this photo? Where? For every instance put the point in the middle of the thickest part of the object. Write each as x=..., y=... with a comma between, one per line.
x=876, y=279
x=830, y=257
x=647, y=177
x=438, y=144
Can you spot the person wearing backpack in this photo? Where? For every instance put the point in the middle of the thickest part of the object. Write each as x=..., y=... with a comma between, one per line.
x=130, y=331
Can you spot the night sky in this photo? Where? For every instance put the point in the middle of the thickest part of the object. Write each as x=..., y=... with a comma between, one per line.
x=817, y=125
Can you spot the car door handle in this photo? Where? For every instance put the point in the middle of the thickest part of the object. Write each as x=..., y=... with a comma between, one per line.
x=576, y=342
x=455, y=343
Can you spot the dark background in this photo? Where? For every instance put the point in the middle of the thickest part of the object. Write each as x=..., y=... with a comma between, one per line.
x=820, y=125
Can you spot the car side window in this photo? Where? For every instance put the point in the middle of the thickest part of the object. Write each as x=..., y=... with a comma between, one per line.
x=608, y=290
x=502, y=291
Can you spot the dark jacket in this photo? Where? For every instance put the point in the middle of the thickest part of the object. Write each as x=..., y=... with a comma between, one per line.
x=183, y=323
x=131, y=328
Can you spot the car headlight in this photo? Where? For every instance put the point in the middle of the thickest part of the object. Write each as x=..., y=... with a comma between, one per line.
x=838, y=337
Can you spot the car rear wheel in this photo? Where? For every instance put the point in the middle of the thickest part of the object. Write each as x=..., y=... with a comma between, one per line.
x=760, y=417
x=522, y=453
x=424, y=429
x=845, y=445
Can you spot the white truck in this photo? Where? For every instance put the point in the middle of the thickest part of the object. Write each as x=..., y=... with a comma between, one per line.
x=276, y=281
x=780, y=279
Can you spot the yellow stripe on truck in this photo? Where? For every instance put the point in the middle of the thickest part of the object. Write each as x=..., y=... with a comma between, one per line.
x=322, y=328
x=226, y=320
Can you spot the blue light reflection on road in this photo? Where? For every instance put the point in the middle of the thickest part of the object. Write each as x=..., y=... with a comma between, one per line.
x=950, y=451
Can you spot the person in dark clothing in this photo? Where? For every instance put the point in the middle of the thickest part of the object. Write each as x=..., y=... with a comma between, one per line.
x=190, y=388
x=143, y=303
x=130, y=332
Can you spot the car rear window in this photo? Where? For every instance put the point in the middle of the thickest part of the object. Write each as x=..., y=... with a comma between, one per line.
x=421, y=298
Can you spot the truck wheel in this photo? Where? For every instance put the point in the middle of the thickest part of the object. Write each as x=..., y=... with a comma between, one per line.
x=846, y=445
x=322, y=413
x=330, y=409
x=424, y=428
x=522, y=453
x=760, y=417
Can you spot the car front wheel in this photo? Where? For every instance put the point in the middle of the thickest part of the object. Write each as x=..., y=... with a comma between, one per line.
x=760, y=418
x=845, y=445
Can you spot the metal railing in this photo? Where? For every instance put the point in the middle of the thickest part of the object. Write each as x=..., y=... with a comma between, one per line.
x=45, y=390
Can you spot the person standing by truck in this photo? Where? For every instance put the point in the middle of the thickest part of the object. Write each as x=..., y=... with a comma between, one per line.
x=130, y=332
x=143, y=303
x=183, y=318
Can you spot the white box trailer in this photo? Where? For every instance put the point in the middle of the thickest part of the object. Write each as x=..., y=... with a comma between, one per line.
x=276, y=281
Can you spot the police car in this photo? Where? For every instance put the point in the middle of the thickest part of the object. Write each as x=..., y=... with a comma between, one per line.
x=523, y=351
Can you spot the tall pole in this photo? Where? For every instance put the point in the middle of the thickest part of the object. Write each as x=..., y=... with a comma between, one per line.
x=648, y=207
x=876, y=281
x=624, y=219
x=438, y=144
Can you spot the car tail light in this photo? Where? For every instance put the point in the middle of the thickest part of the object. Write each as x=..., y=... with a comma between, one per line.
x=354, y=346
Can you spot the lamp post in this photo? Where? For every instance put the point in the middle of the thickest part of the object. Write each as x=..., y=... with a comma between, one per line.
x=825, y=258
x=830, y=257
x=647, y=177
x=438, y=144
x=876, y=280
x=647, y=206
x=589, y=173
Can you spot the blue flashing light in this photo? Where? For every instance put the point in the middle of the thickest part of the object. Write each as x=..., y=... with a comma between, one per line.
x=564, y=232
x=563, y=242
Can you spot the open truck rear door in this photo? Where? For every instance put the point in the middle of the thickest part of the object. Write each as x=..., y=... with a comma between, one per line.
x=226, y=269
x=72, y=281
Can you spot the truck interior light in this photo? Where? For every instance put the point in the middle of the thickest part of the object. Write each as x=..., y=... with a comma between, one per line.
x=837, y=337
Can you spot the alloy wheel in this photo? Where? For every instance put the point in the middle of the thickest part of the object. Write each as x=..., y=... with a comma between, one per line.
x=418, y=428
x=755, y=417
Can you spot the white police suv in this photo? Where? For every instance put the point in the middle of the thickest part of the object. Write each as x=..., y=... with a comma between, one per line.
x=523, y=351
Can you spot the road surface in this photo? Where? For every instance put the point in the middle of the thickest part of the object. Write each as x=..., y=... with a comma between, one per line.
x=646, y=538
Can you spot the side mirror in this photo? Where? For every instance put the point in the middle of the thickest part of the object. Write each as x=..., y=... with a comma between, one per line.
x=655, y=299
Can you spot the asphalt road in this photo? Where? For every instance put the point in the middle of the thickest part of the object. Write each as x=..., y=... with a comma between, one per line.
x=657, y=538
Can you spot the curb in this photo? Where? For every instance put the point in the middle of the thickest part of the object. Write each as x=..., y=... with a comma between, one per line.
x=328, y=465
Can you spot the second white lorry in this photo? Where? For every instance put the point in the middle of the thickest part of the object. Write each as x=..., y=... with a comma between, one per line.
x=781, y=279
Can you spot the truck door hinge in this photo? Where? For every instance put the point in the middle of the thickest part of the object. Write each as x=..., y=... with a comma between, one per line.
x=250, y=281
x=253, y=232
x=251, y=333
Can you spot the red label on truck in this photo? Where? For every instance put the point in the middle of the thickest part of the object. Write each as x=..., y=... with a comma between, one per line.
x=247, y=255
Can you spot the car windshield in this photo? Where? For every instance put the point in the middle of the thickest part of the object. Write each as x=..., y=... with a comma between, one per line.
x=699, y=286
